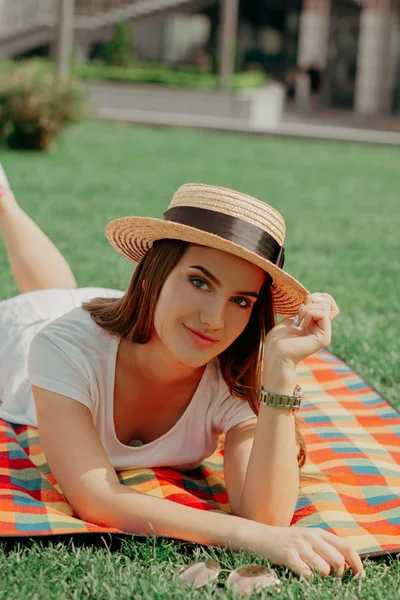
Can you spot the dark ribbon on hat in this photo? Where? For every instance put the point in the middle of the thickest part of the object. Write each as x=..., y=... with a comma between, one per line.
x=230, y=228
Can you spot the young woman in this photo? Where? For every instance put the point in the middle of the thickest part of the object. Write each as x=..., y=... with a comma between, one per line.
x=152, y=377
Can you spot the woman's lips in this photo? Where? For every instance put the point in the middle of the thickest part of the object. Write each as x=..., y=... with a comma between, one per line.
x=198, y=339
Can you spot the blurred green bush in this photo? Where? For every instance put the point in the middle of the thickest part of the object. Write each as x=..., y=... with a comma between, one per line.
x=35, y=104
x=188, y=77
x=119, y=50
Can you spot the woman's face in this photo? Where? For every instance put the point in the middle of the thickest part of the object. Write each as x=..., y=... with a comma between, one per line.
x=205, y=304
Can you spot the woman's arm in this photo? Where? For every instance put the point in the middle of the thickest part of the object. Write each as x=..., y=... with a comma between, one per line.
x=261, y=471
x=81, y=466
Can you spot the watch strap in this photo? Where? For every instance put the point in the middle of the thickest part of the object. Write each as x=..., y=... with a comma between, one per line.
x=292, y=402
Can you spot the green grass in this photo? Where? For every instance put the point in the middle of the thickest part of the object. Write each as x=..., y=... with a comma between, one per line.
x=148, y=571
x=340, y=202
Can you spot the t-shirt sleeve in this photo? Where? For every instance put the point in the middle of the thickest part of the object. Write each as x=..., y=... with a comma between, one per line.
x=231, y=411
x=55, y=364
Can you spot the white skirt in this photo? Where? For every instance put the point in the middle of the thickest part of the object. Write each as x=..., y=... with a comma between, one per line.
x=21, y=318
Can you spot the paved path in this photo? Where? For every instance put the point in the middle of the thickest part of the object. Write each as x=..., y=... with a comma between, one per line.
x=289, y=126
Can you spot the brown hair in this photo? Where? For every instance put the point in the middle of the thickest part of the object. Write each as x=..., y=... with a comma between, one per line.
x=131, y=317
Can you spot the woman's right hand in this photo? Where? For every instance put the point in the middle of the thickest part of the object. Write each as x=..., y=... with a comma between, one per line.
x=303, y=549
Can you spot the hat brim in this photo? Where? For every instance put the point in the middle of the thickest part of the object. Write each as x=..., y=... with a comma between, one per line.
x=132, y=237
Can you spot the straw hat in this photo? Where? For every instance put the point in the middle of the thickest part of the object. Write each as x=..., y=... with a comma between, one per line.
x=222, y=219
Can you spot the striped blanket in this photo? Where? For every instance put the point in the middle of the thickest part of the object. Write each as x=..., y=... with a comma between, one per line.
x=353, y=440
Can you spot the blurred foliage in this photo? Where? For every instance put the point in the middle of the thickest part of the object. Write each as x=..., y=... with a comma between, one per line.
x=190, y=77
x=119, y=50
x=35, y=103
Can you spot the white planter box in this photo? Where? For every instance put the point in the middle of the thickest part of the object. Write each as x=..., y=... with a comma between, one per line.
x=252, y=110
x=265, y=106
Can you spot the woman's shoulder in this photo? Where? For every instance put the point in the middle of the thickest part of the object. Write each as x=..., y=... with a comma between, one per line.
x=76, y=329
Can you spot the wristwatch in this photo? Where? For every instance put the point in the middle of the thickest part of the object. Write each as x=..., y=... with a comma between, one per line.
x=292, y=402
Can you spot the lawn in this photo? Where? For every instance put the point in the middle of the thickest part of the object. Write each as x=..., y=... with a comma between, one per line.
x=340, y=202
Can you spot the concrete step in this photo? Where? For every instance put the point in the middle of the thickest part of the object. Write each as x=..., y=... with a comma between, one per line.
x=291, y=130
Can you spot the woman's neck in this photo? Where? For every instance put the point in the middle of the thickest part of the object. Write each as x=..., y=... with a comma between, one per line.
x=155, y=366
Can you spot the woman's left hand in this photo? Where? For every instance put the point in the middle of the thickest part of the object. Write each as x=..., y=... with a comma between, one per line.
x=293, y=339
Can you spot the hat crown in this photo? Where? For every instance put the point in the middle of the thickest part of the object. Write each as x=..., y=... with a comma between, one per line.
x=234, y=204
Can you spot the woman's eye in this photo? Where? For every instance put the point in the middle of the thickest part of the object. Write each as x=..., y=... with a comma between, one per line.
x=199, y=283
x=242, y=302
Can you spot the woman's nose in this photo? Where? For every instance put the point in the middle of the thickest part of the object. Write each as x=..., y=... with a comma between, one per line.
x=212, y=314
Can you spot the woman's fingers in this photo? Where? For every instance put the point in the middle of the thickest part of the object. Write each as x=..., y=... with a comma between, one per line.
x=350, y=554
x=310, y=312
x=323, y=552
x=305, y=309
x=316, y=562
x=297, y=564
x=323, y=322
x=332, y=302
x=322, y=298
x=305, y=549
x=306, y=560
x=326, y=559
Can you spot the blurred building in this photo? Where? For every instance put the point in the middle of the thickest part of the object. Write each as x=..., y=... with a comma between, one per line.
x=350, y=49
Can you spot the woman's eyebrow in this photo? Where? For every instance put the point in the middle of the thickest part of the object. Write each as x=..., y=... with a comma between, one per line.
x=217, y=282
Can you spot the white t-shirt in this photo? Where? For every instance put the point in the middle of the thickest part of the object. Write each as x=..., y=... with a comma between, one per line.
x=75, y=357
